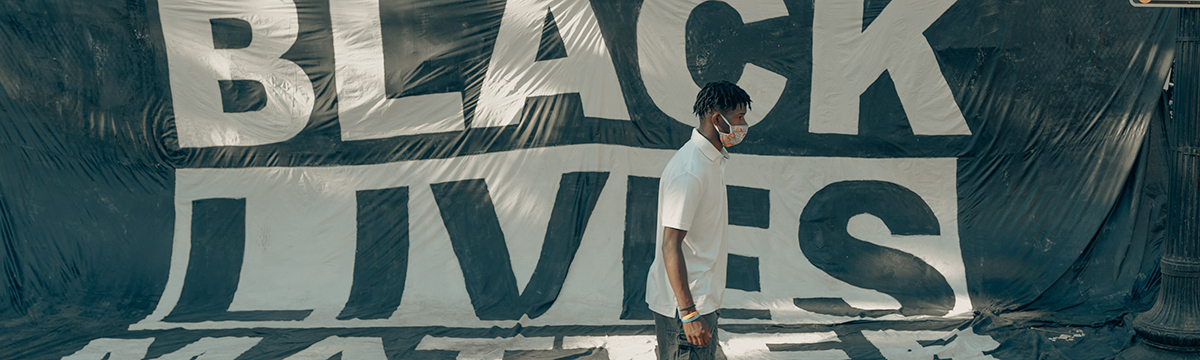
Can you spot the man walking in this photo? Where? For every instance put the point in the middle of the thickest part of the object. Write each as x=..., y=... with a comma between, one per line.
x=687, y=278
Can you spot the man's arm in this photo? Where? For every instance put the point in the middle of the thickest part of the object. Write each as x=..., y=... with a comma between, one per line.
x=672, y=248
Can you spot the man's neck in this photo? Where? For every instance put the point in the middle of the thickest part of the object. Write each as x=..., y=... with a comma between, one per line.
x=706, y=128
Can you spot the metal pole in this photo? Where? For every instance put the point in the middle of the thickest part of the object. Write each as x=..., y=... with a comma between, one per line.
x=1171, y=329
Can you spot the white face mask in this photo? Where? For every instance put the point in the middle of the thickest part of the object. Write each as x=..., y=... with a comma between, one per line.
x=735, y=135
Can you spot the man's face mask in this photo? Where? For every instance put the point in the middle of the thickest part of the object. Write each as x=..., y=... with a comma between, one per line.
x=735, y=135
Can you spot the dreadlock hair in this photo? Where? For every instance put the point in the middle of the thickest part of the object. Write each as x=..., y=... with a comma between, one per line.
x=720, y=96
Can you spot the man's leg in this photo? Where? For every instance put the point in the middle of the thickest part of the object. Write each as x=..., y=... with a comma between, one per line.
x=673, y=344
x=718, y=352
x=668, y=332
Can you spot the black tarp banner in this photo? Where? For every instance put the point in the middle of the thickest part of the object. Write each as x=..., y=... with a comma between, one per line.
x=476, y=179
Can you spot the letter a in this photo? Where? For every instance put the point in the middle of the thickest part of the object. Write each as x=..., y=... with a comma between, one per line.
x=515, y=73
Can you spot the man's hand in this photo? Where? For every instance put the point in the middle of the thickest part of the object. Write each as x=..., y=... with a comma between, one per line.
x=697, y=332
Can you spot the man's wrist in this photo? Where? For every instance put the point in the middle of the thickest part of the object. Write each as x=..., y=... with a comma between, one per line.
x=689, y=316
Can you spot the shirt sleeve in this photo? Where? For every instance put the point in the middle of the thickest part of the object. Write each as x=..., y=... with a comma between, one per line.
x=680, y=196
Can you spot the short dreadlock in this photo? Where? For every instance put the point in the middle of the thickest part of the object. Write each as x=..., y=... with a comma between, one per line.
x=720, y=96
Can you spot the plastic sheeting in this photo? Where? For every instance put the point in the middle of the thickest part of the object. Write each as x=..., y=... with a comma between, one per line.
x=476, y=179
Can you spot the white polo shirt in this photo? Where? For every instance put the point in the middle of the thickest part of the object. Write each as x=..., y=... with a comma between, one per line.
x=691, y=197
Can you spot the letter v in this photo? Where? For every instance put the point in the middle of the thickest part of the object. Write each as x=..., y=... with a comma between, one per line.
x=478, y=242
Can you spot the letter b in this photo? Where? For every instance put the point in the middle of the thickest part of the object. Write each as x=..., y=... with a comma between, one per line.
x=234, y=93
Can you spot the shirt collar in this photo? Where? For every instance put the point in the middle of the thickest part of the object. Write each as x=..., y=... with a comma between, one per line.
x=707, y=147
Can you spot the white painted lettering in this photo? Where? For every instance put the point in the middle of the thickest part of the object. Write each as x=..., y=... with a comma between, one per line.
x=485, y=349
x=351, y=348
x=197, y=68
x=113, y=349
x=618, y=347
x=754, y=345
x=959, y=344
x=364, y=109
x=514, y=74
x=224, y=348
x=847, y=60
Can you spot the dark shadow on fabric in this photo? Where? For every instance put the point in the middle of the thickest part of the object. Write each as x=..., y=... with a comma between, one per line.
x=558, y=354
x=871, y=10
x=215, y=265
x=238, y=96
x=474, y=228
x=433, y=76
x=938, y=342
x=742, y=273
x=838, y=307
x=746, y=314
x=641, y=212
x=880, y=112
x=827, y=345
x=231, y=33
x=749, y=206
x=14, y=275
x=548, y=119
x=381, y=256
x=431, y=48
x=826, y=242
x=713, y=47
x=551, y=45
x=856, y=346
